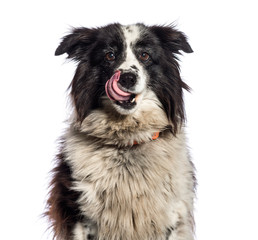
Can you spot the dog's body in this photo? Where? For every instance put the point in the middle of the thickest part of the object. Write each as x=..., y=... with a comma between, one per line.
x=113, y=179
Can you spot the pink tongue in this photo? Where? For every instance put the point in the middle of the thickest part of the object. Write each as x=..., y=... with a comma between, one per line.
x=113, y=91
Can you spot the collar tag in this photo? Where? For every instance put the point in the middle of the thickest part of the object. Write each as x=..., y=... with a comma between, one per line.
x=154, y=137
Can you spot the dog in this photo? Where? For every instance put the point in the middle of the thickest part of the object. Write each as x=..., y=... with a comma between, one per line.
x=123, y=171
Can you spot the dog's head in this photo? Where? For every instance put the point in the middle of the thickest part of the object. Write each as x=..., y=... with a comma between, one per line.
x=122, y=64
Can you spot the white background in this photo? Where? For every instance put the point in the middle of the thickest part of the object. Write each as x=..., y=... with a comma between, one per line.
x=222, y=108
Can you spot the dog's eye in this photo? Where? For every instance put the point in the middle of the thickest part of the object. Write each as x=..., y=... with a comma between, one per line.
x=110, y=56
x=144, y=56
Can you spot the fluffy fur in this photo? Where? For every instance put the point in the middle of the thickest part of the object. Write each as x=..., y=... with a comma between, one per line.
x=104, y=186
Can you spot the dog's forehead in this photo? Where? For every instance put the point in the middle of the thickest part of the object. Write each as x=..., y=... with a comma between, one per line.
x=131, y=33
x=131, y=36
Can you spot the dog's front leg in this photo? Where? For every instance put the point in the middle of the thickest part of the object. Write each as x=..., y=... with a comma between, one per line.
x=181, y=227
x=85, y=231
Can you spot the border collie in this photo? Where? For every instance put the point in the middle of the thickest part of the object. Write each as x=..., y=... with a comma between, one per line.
x=123, y=171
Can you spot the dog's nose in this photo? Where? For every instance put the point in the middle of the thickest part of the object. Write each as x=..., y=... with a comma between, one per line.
x=127, y=80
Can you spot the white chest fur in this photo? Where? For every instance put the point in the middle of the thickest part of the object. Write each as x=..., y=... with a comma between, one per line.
x=136, y=192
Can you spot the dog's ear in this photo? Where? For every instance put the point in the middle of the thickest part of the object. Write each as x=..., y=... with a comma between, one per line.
x=172, y=39
x=77, y=43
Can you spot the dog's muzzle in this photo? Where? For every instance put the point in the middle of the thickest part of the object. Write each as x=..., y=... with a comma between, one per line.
x=117, y=89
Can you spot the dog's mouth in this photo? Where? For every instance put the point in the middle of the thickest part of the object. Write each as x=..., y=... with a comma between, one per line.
x=120, y=97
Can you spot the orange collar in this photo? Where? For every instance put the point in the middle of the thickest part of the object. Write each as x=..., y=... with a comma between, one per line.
x=154, y=137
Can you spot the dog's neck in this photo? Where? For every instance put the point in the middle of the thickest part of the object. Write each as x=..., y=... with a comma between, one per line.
x=129, y=130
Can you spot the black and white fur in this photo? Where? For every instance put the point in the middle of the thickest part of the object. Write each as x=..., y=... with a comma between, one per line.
x=104, y=186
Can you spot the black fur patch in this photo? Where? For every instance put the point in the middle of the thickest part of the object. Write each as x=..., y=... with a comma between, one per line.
x=63, y=211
